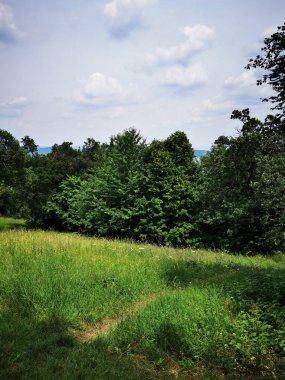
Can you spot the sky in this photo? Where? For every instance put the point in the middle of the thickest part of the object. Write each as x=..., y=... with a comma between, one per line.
x=72, y=69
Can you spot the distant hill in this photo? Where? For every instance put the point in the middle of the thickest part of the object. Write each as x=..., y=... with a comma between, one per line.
x=46, y=149
x=199, y=153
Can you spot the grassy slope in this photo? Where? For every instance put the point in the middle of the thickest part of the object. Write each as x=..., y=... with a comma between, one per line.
x=189, y=314
x=11, y=223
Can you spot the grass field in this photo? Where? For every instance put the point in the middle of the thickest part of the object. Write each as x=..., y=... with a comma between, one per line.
x=11, y=223
x=83, y=308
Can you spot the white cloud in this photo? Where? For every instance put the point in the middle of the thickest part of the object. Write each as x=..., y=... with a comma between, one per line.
x=13, y=108
x=102, y=90
x=244, y=87
x=269, y=31
x=255, y=49
x=9, y=32
x=117, y=113
x=182, y=77
x=198, y=38
x=217, y=105
x=124, y=16
x=207, y=110
x=16, y=103
x=246, y=79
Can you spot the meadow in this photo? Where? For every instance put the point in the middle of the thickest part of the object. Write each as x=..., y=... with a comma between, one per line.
x=73, y=307
x=11, y=223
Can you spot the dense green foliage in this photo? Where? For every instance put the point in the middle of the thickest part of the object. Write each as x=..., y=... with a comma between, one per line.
x=73, y=307
x=242, y=188
x=234, y=198
x=11, y=223
x=12, y=173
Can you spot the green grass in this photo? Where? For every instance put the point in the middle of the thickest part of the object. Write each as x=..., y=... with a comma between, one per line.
x=11, y=223
x=173, y=314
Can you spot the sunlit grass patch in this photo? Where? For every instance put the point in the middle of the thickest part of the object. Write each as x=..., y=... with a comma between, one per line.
x=156, y=312
x=11, y=223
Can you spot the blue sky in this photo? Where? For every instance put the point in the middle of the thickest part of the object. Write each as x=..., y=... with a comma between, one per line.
x=71, y=69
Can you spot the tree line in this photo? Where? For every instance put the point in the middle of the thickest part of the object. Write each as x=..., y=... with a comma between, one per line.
x=232, y=199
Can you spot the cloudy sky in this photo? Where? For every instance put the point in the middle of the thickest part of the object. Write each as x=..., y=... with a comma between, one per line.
x=71, y=69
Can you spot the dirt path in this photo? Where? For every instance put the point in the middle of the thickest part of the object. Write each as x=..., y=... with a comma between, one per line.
x=107, y=324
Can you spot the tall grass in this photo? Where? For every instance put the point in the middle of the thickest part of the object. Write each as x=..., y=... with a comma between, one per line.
x=9, y=223
x=186, y=314
x=74, y=278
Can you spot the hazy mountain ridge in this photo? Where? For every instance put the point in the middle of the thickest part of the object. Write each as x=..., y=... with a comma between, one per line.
x=47, y=149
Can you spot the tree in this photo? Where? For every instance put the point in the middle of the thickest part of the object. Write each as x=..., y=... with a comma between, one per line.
x=242, y=188
x=181, y=150
x=65, y=205
x=11, y=158
x=29, y=145
x=46, y=174
x=242, y=182
x=12, y=174
x=272, y=60
x=142, y=192
x=168, y=176
x=106, y=200
x=90, y=146
x=92, y=153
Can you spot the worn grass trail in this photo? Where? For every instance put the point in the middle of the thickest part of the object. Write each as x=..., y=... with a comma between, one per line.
x=90, y=333
x=73, y=307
